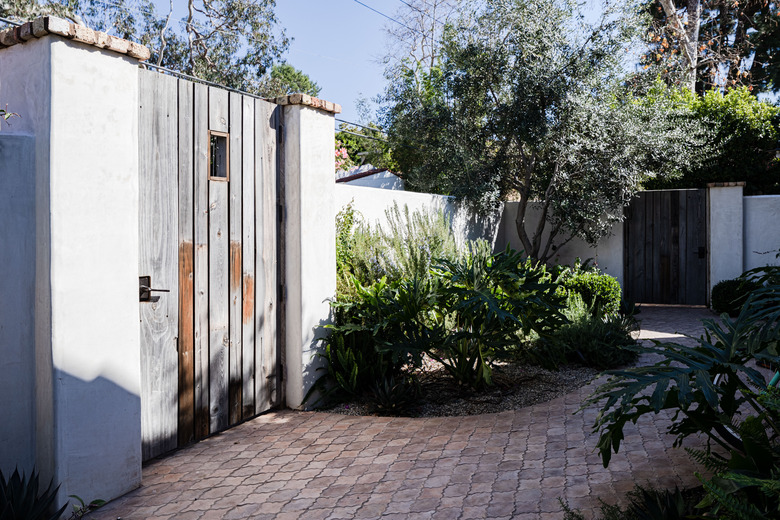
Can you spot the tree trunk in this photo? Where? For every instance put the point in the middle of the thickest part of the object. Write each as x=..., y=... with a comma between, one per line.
x=688, y=37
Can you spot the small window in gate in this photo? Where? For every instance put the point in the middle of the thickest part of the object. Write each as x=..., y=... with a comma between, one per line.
x=219, y=162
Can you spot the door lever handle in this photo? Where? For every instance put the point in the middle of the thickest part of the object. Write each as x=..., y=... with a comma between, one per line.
x=145, y=290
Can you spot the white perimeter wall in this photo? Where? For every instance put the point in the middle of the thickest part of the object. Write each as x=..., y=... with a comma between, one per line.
x=753, y=222
x=762, y=231
x=372, y=203
x=81, y=104
x=608, y=253
x=499, y=230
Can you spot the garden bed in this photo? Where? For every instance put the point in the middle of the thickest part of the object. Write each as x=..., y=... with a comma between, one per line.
x=515, y=386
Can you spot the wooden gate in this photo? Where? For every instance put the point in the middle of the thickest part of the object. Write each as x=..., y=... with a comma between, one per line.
x=666, y=247
x=208, y=235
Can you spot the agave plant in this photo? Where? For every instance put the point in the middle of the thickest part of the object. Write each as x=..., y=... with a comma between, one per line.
x=394, y=396
x=21, y=500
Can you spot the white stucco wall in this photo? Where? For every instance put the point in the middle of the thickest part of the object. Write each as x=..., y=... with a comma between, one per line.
x=17, y=301
x=310, y=237
x=384, y=180
x=29, y=95
x=608, y=253
x=725, y=224
x=762, y=230
x=81, y=103
x=372, y=203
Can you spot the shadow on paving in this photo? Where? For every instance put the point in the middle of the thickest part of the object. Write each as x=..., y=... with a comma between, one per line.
x=515, y=464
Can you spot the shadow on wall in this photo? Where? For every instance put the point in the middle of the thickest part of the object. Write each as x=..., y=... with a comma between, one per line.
x=314, y=365
x=17, y=301
x=101, y=427
x=98, y=454
x=469, y=225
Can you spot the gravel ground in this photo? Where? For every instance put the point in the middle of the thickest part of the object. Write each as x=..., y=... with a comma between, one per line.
x=516, y=386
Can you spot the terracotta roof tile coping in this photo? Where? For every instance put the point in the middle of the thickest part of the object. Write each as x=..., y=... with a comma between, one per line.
x=53, y=25
x=305, y=99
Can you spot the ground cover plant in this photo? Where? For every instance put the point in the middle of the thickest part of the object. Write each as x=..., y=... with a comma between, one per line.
x=646, y=503
x=713, y=389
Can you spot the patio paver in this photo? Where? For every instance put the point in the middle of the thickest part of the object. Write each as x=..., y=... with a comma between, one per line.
x=314, y=465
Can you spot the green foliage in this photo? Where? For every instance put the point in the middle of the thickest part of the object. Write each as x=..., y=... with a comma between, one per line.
x=746, y=484
x=487, y=300
x=730, y=295
x=590, y=339
x=462, y=314
x=5, y=115
x=402, y=249
x=734, y=44
x=374, y=335
x=394, y=396
x=528, y=103
x=745, y=131
x=82, y=508
x=345, y=248
x=601, y=291
x=285, y=79
x=644, y=504
x=713, y=390
x=367, y=145
x=20, y=498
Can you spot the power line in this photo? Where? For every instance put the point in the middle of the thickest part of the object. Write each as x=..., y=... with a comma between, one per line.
x=422, y=12
x=380, y=13
x=364, y=136
x=358, y=124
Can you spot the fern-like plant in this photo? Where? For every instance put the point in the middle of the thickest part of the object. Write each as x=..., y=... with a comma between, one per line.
x=712, y=389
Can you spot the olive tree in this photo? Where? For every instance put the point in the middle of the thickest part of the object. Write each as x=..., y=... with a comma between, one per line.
x=528, y=103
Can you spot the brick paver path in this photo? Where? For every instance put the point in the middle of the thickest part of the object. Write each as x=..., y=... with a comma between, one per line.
x=314, y=465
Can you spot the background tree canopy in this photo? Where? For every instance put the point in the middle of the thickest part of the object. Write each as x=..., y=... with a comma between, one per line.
x=231, y=42
x=704, y=44
x=528, y=102
x=746, y=133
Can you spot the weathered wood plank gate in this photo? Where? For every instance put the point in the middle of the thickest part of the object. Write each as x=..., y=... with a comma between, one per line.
x=666, y=247
x=209, y=235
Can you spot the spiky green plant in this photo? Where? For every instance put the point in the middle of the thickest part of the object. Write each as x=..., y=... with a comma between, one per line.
x=20, y=498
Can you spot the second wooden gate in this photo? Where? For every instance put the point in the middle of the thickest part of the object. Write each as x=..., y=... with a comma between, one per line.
x=665, y=260
x=208, y=234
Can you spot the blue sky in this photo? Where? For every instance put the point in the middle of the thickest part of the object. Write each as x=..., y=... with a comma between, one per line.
x=338, y=43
